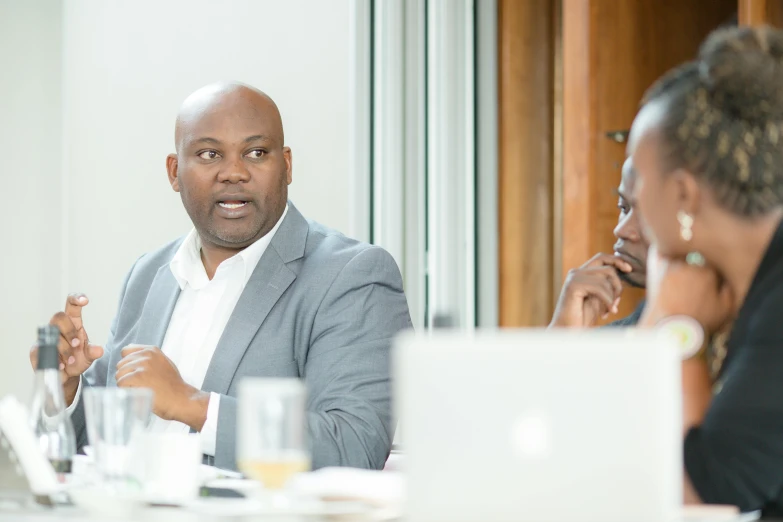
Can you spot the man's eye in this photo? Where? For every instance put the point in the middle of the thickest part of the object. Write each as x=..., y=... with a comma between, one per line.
x=208, y=155
x=257, y=153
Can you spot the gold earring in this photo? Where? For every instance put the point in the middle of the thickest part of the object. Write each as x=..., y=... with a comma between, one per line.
x=686, y=225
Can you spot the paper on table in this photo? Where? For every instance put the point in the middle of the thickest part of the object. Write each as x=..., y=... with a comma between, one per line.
x=209, y=473
x=379, y=488
x=715, y=513
x=14, y=424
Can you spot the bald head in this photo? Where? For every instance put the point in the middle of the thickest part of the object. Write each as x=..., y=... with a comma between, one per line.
x=232, y=168
x=227, y=103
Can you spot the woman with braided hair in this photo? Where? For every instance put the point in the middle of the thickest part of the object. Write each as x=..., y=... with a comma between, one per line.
x=708, y=148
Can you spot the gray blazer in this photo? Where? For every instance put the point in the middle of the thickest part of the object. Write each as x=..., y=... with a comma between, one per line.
x=319, y=306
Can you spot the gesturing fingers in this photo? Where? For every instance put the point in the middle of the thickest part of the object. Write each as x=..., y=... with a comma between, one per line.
x=73, y=308
x=68, y=336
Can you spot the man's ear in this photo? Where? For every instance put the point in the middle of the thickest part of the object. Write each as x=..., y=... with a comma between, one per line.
x=688, y=191
x=172, y=163
x=289, y=164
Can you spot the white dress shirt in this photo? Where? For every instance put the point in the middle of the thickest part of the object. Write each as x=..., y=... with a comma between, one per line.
x=199, y=318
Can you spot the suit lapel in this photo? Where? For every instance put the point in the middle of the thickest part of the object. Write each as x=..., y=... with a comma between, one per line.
x=158, y=308
x=270, y=279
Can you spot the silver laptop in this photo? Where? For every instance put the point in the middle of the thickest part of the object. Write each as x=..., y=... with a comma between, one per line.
x=540, y=426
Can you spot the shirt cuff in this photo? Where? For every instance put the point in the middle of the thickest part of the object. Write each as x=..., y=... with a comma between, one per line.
x=69, y=409
x=51, y=422
x=209, y=430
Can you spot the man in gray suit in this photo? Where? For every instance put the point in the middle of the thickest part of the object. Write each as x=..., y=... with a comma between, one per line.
x=255, y=290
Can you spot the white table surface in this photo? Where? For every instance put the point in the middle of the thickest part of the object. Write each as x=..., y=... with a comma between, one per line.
x=158, y=514
x=10, y=512
x=66, y=514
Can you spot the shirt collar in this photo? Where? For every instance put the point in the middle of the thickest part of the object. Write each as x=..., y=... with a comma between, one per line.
x=188, y=269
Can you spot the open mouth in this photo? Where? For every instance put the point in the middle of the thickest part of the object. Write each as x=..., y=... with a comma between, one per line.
x=234, y=206
x=231, y=205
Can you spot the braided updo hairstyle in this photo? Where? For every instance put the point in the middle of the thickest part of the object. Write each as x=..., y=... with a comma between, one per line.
x=724, y=118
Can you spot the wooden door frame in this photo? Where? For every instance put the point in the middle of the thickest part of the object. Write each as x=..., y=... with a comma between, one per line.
x=527, y=34
x=760, y=12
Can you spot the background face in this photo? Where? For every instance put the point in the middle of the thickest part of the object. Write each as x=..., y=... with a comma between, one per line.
x=631, y=243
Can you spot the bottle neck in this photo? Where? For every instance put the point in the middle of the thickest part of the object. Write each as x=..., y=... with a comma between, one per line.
x=48, y=386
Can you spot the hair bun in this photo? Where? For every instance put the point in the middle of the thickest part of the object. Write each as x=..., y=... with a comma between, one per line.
x=742, y=69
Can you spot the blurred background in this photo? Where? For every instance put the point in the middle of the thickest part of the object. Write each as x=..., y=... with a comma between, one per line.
x=479, y=141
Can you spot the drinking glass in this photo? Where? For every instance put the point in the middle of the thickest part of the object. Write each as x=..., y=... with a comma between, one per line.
x=115, y=417
x=272, y=440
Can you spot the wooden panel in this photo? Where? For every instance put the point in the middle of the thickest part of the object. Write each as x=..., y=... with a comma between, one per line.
x=525, y=56
x=579, y=136
x=760, y=12
x=612, y=52
x=557, y=152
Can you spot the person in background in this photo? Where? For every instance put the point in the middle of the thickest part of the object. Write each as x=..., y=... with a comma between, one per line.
x=708, y=148
x=593, y=290
x=254, y=290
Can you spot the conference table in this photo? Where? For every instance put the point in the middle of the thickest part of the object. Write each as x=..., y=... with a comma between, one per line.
x=377, y=496
x=172, y=514
x=165, y=514
x=175, y=515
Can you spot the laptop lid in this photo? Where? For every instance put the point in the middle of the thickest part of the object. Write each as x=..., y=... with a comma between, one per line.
x=544, y=426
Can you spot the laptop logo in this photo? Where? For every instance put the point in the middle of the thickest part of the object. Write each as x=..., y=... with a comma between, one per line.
x=531, y=437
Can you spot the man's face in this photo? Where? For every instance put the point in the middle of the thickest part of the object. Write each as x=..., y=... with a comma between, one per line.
x=631, y=244
x=232, y=169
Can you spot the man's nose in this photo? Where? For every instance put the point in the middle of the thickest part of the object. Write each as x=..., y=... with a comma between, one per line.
x=627, y=228
x=236, y=172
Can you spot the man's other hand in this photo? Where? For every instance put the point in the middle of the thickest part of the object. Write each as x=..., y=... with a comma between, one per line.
x=590, y=292
x=144, y=366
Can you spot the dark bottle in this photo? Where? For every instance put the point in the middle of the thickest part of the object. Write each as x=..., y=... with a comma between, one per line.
x=50, y=422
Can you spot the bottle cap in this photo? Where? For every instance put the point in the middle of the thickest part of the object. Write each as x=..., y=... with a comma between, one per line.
x=48, y=357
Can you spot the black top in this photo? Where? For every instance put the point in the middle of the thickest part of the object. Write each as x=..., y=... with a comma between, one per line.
x=736, y=455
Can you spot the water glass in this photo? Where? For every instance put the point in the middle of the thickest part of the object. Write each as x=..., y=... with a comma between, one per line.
x=272, y=440
x=115, y=417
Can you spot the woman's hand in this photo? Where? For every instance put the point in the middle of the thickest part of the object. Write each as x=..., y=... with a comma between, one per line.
x=677, y=288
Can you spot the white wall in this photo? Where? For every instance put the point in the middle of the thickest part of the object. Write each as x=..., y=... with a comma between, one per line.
x=29, y=177
x=126, y=66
